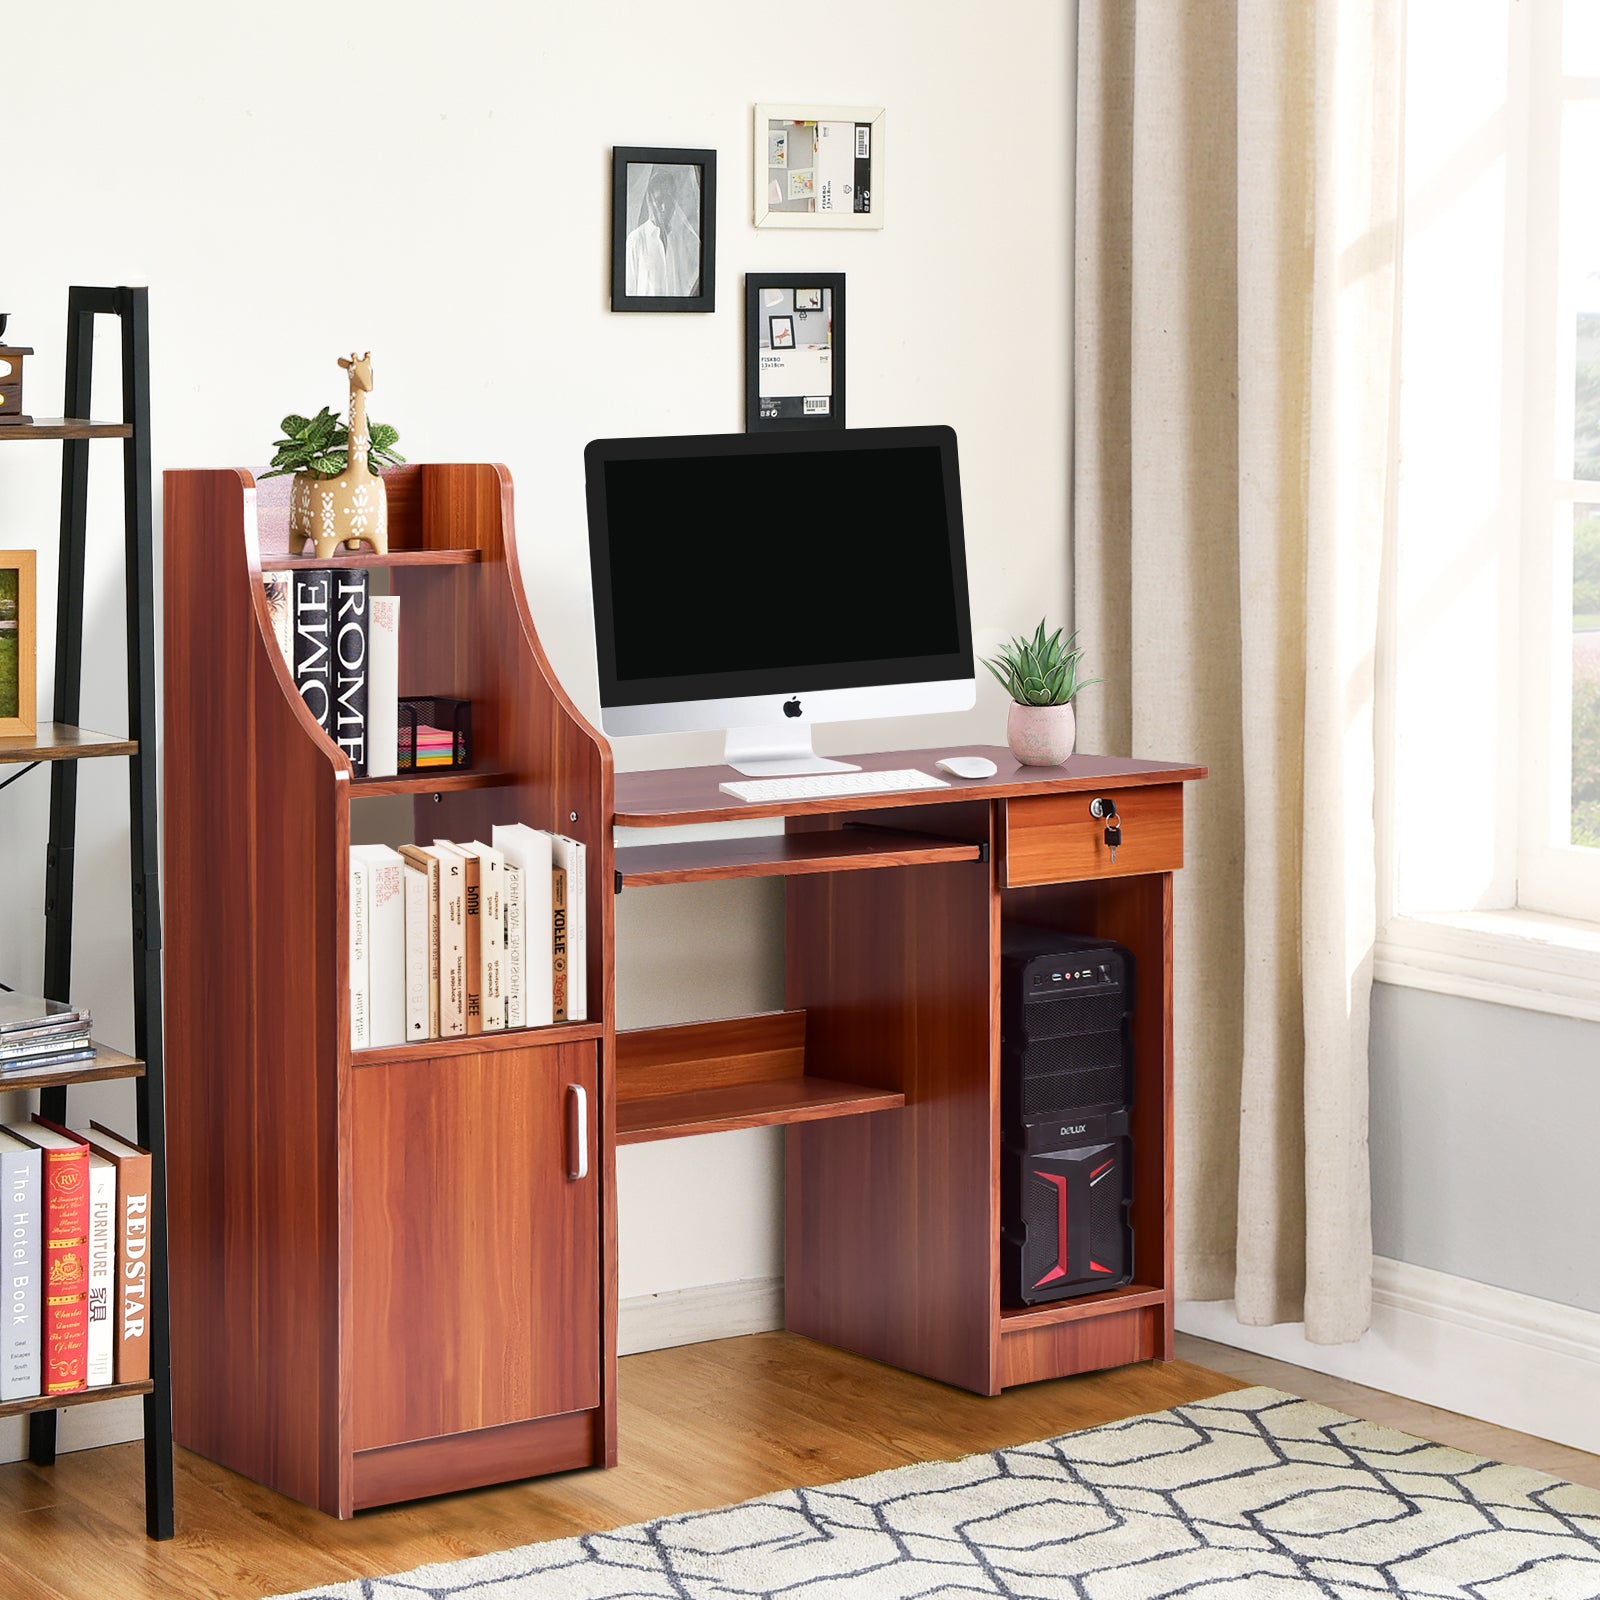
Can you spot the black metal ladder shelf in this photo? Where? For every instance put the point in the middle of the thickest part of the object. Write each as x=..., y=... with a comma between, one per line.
x=62, y=746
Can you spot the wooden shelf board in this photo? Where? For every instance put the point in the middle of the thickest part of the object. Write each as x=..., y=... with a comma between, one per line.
x=1013, y=1319
x=476, y=1044
x=277, y=560
x=107, y=1063
x=65, y=428
x=437, y=781
x=59, y=741
x=77, y=1397
x=678, y=796
x=747, y=1105
x=786, y=855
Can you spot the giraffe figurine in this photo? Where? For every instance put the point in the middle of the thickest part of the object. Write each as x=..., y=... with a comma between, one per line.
x=351, y=508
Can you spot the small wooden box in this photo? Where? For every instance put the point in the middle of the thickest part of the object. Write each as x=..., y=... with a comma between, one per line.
x=11, y=358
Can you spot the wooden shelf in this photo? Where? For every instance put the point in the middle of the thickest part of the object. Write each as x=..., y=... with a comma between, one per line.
x=747, y=1105
x=58, y=741
x=438, y=781
x=786, y=855
x=277, y=560
x=476, y=1044
x=65, y=428
x=77, y=1397
x=1128, y=1298
x=107, y=1063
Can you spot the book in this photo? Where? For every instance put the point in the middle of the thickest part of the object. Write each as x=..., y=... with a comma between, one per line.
x=558, y=960
x=452, y=942
x=351, y=588
x=21, y=1243
x=472, y=933
x=64, y=1183
x=360, y=978
x=529, y=850
x=278, y=586
x=312, y=662
x=573, y=855
x=386, y=943
x=102, y=1267
x=26, y=1013
x=424, y=861
x=417, y=953
x=516, y=948
x=131, y=1311
x=492, y=932
x=383, y=686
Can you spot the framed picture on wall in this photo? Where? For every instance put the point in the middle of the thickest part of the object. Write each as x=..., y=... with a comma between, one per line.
x=663, y=229
x=19, y=705
x=818, y=166
x=794, y=351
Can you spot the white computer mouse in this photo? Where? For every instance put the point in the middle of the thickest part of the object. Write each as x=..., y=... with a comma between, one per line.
x=968, y=766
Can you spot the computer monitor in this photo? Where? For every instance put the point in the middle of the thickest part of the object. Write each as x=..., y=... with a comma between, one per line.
x=762, y=583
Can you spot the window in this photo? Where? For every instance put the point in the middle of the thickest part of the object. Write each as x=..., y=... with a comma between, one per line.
x=1559, y=858
x=1489, y=665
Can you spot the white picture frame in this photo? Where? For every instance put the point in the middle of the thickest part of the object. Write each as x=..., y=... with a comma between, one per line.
x=781, y=197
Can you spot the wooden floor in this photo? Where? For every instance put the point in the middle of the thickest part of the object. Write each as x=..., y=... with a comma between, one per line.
x=703, y=1425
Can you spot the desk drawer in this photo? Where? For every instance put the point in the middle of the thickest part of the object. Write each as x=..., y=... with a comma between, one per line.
x=1053, y=838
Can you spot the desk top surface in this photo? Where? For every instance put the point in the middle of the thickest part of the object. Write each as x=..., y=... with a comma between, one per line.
x=675, y=796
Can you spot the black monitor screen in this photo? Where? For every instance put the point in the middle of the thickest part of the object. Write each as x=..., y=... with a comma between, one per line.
x=752, y=564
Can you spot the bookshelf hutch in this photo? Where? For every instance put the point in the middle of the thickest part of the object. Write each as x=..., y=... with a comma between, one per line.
x=60, y=745
x=393, y=1272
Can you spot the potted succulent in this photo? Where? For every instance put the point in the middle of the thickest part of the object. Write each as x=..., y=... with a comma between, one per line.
x=1041, y=676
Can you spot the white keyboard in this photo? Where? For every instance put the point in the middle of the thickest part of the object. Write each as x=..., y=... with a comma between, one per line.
x=824, y=785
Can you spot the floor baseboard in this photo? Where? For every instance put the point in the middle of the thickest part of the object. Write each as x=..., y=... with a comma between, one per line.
x=691, y=1316
x=1510, y=1359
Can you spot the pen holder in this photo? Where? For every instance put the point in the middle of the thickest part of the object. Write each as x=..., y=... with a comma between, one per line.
x=435, y=734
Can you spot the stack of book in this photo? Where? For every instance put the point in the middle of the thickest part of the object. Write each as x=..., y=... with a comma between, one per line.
x=341, y=644
x=35, y=1032
x=75, y=1213
x=454, y=939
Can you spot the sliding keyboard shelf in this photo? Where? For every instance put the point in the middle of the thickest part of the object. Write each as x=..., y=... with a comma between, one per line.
x=783, y=855
x=742, y=1072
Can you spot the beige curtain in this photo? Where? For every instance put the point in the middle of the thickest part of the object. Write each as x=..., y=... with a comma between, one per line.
x=1237, y=197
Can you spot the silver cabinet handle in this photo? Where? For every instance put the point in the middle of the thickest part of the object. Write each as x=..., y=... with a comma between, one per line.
x=577, y=1131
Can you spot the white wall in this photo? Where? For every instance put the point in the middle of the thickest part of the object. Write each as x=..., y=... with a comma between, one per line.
x=434, y=186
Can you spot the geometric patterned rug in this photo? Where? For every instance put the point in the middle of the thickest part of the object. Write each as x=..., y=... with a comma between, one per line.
x=1254, y=1495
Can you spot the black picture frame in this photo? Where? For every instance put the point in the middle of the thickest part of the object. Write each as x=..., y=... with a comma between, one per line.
x=807, y=289
x=772, y=331
x=624, y=223
x=792, y=414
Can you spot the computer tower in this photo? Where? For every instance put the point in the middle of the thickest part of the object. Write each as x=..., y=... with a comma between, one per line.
x=1066, y=1101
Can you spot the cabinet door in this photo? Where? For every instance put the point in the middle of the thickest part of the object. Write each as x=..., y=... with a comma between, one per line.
x=475, y=1260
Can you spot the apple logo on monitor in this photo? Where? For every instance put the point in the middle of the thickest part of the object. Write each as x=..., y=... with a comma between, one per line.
x=791, y=708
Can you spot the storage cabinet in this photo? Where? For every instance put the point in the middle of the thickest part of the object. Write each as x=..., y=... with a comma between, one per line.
x=477, y=1251
x=389, y=1266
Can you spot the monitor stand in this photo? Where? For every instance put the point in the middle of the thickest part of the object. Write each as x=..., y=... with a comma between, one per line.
x=777, y=752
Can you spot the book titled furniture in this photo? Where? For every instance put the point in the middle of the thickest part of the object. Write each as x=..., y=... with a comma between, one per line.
x=394, y=1270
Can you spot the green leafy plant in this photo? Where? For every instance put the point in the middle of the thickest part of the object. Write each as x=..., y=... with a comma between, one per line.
x=321, y=445
x=1040, y=671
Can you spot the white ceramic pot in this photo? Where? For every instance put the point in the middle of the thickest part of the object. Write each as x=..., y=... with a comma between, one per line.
x=1041, y=736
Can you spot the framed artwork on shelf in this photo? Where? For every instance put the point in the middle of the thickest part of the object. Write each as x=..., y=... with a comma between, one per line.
x=794, y=351
x=19, y=706
x=663, y=229
x=818, y=166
